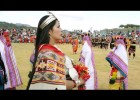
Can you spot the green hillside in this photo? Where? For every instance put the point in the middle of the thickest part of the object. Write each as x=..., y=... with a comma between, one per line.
x=17, y=26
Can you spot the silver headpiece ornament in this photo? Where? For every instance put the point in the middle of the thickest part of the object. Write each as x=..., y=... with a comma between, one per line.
x=48, y=20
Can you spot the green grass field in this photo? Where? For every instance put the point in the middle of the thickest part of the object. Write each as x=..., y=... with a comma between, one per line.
x=23, y=51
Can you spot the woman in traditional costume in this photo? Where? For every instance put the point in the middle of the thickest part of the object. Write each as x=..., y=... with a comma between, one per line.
x=87, y=59
x=52, y=69
x=118, y=78
x=75, y=45
x=11, y=74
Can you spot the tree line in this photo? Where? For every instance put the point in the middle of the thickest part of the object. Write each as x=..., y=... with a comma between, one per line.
x=129, y=25
x=14, y=26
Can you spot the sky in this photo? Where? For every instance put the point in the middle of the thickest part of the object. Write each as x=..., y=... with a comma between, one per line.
x=75, y=20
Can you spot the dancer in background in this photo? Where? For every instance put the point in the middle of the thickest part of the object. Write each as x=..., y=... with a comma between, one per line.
x=118, y=60
x=11, y=72
x=75, y=45
x=87, y=59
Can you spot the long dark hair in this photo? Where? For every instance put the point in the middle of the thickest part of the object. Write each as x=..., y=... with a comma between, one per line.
x=42, y=37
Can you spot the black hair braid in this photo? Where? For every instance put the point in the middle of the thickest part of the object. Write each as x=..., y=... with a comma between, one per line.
x=42, y=37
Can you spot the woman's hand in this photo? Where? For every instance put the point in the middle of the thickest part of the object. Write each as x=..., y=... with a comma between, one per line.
x=70, y=84
x=81, y=82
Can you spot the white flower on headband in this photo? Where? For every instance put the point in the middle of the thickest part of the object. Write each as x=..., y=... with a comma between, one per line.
x=50, y=13
x=48, y=20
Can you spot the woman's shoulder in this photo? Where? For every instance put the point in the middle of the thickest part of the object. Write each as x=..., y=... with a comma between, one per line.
x=46, y=52
x=50, y=52
x=45, y=48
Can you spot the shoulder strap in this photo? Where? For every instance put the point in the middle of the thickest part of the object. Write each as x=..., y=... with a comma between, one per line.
x=41, y=47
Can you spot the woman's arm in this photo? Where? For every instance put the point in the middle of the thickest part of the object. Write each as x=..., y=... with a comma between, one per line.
x=70, y=84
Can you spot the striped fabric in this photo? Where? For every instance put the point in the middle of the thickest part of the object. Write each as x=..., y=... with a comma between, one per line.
x=118, y=58
x=91, y=65
x=12, y=71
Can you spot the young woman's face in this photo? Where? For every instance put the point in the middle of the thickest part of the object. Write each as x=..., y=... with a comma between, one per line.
x=56, y=32
x=115, y=44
